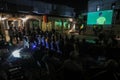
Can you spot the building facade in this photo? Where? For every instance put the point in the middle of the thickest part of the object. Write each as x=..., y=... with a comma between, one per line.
x=33, y=14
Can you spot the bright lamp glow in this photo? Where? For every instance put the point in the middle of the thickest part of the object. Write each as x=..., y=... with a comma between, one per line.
x=16, y=53
x=70, y=19
x=34, y=46
x=24, y=19
x=1, y=18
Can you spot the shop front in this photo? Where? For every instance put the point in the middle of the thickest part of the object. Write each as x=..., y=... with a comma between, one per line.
x=32, y=22
x=18, y=21
x=7, y=21
x=58, y=24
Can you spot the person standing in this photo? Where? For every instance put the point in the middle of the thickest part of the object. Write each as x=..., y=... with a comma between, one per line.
x=101, y=19
x=81, y=28
x=16, y=34
x=11, y=32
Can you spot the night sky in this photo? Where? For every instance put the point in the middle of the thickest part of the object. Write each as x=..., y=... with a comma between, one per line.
x=77, y=4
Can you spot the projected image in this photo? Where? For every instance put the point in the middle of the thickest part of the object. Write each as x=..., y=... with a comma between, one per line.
x=100, y=18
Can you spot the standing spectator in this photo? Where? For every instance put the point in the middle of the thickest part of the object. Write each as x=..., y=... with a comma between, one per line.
x=81, y=29
x=11, y=32
x=16, y=34
x=1, y=34
x=23, y=31
x=38, y=30
x=20, y=34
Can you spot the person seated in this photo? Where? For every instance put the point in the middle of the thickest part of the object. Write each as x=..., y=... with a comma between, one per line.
x=72, y=67
x=110, y=71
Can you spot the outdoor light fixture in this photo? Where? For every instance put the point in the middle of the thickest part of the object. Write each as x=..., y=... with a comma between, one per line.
x=24, y=19
x=2, y=17
x=70, y=19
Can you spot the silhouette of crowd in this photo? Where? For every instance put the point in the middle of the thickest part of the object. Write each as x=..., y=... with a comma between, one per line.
x=60, y=56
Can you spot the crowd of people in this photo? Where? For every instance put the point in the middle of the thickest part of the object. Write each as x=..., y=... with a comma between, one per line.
x=62, y=56
x=69, y=57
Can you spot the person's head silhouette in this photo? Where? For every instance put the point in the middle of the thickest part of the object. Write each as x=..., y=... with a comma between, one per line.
x=100, y=14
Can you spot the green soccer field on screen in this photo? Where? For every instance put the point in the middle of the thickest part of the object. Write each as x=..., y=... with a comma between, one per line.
x=100, y=18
